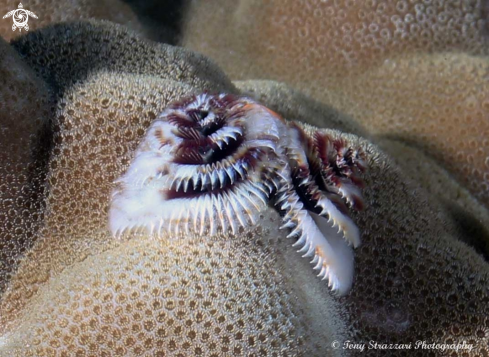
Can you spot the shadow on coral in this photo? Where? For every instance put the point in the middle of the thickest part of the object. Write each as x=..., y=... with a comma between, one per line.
x=164, y=18
x=472, y=232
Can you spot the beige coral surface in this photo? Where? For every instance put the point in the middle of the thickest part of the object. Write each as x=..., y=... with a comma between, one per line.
x=25, y=109
x=414, y=70
x=80, y=292
x=54, y=11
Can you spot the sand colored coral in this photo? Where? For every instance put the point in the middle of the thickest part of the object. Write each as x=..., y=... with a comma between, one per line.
x=25, y=109
x=464, y=212
x=50, y=12
x=328, y=38
x=438, y=103
x=416, y=70
x=79, y=291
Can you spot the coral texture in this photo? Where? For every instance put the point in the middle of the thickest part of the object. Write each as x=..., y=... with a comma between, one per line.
x=336, y=37
x=79, y=291
x=416, y=70
x=50, y=12
x=25, y=108
x=463, y=211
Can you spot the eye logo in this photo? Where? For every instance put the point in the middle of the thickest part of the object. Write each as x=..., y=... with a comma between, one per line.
x=20, y=17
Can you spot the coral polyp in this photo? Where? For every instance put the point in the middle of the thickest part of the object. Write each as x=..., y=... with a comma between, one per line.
x=212, y=163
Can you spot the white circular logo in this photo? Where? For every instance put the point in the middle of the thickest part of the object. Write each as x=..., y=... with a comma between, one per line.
x=20, y=17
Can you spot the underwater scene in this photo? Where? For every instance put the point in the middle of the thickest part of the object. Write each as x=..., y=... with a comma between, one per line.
x=244, y=178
